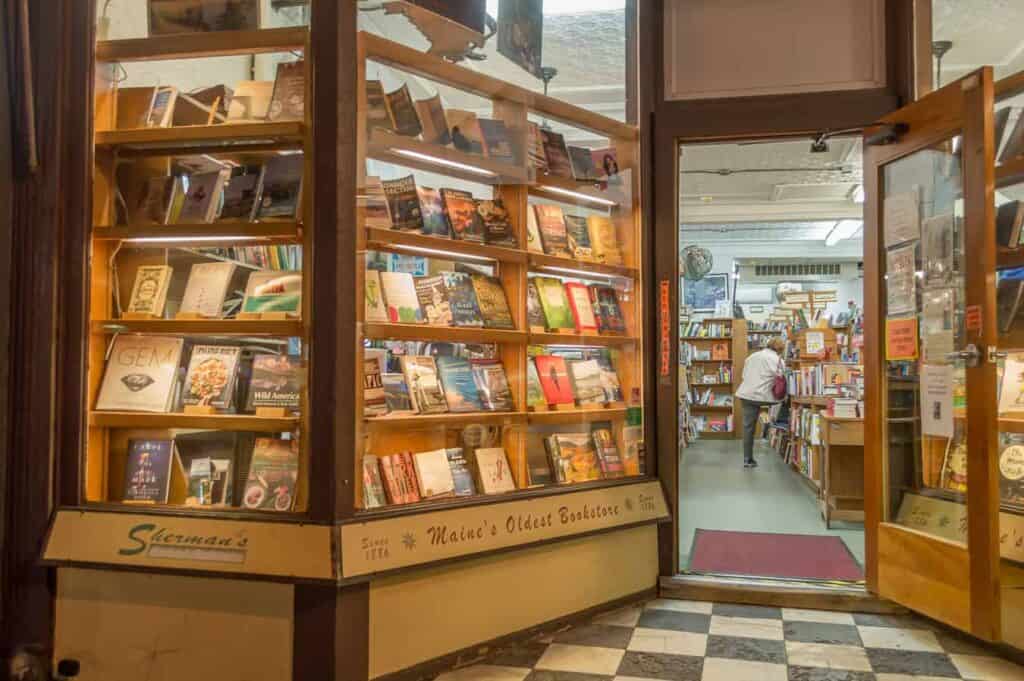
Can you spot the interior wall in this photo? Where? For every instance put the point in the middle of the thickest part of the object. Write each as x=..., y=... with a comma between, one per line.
x=425, y=614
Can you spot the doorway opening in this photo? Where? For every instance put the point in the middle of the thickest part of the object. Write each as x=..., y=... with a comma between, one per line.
x=771, y=284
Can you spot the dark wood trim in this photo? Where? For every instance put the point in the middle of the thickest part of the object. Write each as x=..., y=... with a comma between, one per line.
x=478, y=653
x=634, y=60
x=874, y=269
x=6, y=236
x=900, y=57
x=924, y=73
x=352, y=634
x=313, y=649
x=751, y=592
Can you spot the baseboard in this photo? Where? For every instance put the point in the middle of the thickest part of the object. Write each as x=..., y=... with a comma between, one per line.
x=479, y=652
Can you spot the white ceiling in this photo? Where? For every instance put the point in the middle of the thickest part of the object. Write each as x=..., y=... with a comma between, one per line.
x=984, y=32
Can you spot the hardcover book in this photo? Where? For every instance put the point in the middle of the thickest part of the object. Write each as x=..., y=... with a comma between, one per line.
x=533, y=242
x=603, y=240
x=433, y=474
x=538, y=464
x=556, y=153
x=250, y=101
x=149, y=292
x=609, y=380
x=404, y=118
x=607, y=452
x=273, y=292
x=400, y=296
x=582, y=311
x=460, y=388
x=579, y=237
x=554, y=303
x=535, y=149
x=375, y=309
x=373, y=486
x=169, y=17
x=210, y=381
x=498, y=230
x=497, y=143
x=605, y=302
x=404, y=204
x=490, y=296
x=240, y=196
x=281, y=192
x=582, y=163
x=573, y=457
x=406, y=468
x=374, y=399
x=462, y=299
x=203, y=197
x=273, y=475
x=433, y=297
x=465, y=131
x=221, y=449
x=435, y=125
x=492, y=385
x=462, y=475
x=460, y=212
x=148, y=469
x=424, y=385
x=289, y=99
x=200, y=482
x=554, y=379
x=141, y=373
x=432, y=210
x=586, y=381
x=157, y=198
x=396, y=394
x=535, y=399
x=534, y=311
x=276, y=382
x=393, y=485
x=495, y=474
x=553, y=235
x=161, y=113
x=377, y=116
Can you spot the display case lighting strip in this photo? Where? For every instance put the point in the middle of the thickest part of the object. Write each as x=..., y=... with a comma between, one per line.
x=190, y=239
x=581, y=273
x=444, y=162
x=578, y=195
x=438, y=252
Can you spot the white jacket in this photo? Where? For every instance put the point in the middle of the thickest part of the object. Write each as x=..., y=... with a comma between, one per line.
x=759, y=372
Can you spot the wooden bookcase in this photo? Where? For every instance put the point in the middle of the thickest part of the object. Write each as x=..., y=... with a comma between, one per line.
x=519, y=186
x=738, y=350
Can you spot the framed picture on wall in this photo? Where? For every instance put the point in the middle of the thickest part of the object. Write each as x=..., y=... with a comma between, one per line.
x=703, y=294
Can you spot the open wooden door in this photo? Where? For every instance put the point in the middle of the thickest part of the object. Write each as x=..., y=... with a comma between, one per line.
x=930, y=320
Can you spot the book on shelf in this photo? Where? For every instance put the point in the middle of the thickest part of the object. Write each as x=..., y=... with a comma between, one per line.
x=432, y=211
x=373, y=202
x=607, y=451
x=424, y=384
x=273, y=475
x=434, y=474
x=535, y=319
x=459, y=384
x=633, y=449
x=375, y=309
x=203, y=197
x=396, y=486
x=556, y=153
x=573, y=457
x=607, y=163
x=402, y=110
x=374, y=400
x=373, y=485
x=1011, y=468
x=275, y=382
x=207, y=106
x=433, y=298
x=609, y=379
x=497, y=142
x=953, y=475
x=555, y=303
x=433, y=121
x=492, y=384
x=208, y=482
x=535, y=398
x=497, y=225
x=579, y=237
x=1011, y=387
x=250, y=101
x=1009, y=218
x=465, y=131
x=141, y=373
x=605, y=303
x=157, y=201
x=533, y=242
x=462, y=299
x=553, y=235
x=582, y=311
x=720, y=351
x=401, y=298
x=273, y=292
x=210, y=380
x=281, y=188
x=133, y=107
x=554, y=380
x=377, y=116
x=582, y=163
x=170, y=17
x=493, y=304
x=397, y=395
x=149, y=292
x=404, y=204
x=494, y=471
x=521, y=35
x=586, y=380
x=462, y=474
x=1009, y=294
x=288, y=101
x=240, y=195
x=148, y=470
x=161, y=111
x=604, y=240
x=535, y=149
x=222, y=450
x=460, y=211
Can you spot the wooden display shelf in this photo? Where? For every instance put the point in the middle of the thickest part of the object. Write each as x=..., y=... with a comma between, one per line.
x=541, y=261
x=285, y=231
x=589, y=339
x=1010, y=173
x=694, y=384
x=711, y=407
x=200, y=327
x=447, y=419
x=1010, y=257
x=1011, y=425
x=568, y=416
x=381, y=239
x=209, y=44
x=233, y=422
x=389, y=147
x=706, y=338
x=196, y=138
x=709, y=361
x=450, y=334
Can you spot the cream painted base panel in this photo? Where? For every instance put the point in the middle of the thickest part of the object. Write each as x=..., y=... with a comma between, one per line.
x=125, y=626
x=423, y=615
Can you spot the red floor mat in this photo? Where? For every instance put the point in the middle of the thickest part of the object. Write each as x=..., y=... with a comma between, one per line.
x=764, y=554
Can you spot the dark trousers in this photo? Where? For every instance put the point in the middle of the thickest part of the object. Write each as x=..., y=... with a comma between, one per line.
x=751, y=409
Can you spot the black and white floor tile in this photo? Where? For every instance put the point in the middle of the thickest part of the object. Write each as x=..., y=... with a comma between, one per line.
x=670, y=640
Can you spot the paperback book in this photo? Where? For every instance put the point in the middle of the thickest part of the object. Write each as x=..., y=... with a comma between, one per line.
x=607, y=452
x=573, y=457
x=432, y=209
x=460, y=211
x=396, y=395
x=432, y=118
x=605, y=302
x=495, y=474
x=433, y=474
x=538, y=464
x=493, y=304
x=462, y=474
x=462, y=299
x=276, y=382
x=424, y=385
x=377, y=116
x=372, y=200
x=374, y=399
x=400, y=296
x=433, y=298
x=141, y=373
x=533, y=242
x=404, y=204
x=289, y=99
x=497, y=225
x=603, y=240
x=535, y=398
x=582, y=311
x=553, y=235
x=149, y=292
x=373, y=486
x=203, y=197
x=497, y=143
x=554, y=380
x=148, y=470
x=465, y=131
x=210, y=381
x=281, y=193
x=579, y=237
x=404, y=119
x=534, y=311
x=554, y=303
x=273, y=475
x=556, y=153
x=460, y=387
x=535, y=149
x=492, y=385
x=240, y=196
x=582, y=163
x=586, y=382
x=273, y=292
x=374, y=308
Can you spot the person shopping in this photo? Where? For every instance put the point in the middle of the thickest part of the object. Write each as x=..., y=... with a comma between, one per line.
x=755, y=391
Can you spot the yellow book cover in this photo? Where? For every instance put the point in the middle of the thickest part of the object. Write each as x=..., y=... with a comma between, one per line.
x=603, y=240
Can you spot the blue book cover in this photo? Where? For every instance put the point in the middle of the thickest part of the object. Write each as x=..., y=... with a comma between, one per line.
x=461, y=473
x=459, y=386
x=462, y=299
x=147, y=475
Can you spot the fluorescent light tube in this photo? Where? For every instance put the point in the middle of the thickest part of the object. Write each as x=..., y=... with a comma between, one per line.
x=444, y=162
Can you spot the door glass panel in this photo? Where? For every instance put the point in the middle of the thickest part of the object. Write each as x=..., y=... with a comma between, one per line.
x=925, y=398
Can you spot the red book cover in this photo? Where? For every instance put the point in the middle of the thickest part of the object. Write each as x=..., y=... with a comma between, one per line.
x=582, y=311
x=387, y=472
x=408, y=469
x=554, y=379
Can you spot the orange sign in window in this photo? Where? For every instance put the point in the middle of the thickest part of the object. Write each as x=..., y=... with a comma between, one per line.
x=901, y=338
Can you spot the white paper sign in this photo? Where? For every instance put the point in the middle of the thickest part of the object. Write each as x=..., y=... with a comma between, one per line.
x=902, y=218
x=815, y=342
x=1011, y=393
x=900, y=280
x=937, y=400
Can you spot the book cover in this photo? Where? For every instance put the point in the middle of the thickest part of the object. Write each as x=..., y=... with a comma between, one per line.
x=462, y=299
x=154, y=206
x=1009, y=294
x=210, y=380
x=1011, y=390
x=433, y=297
x=374, y=399
x=281, y=190
x=492, y=385
x=582, y=311
x=433, y=474
x=404, y=204
x=273, y=475
x=497, y=224
x=603, y=240
x=465, y=131
x=605, y=302
x=435, y=125
x=607, y=163
x=250, y=101
x=206, y=288
x=222, y=449
x=161, y=113
x=404, y=119
x=377, y=116
x=170, y=17
x=460, y=212
x=1011, y=468
x=396, y=394
x=147, y=471
x=203, y=197
x=373, y=202
x=497, y=143
x=493, y=304
x=554, y=303
x=535, y=399
x=607, y=452
x=149, y=292
x=574, y=458
x=393, y=488
x=554, y=379
x=585, y=375
x=556, y=153
x=633, y=449
x=205, y=106
x=432, y=209
x=535, y=149
x=400, y=296
x=406, y=468
x=460, y=388
x=609, y=379
x=373, y=485
x=200, y=482
x=240, y=196
x=495, y=474
x=141, y=373
x=534, y=311
x=521, y=34
x=374, y=308
x=1009, y=218
x=533, y=242
x=720, y=350
x=289, y=99
x=579, y=237
x=553, y=235
x=276, y=381
x=953, y=475
x=273, y=292
x=538, y=465
x=424, y=384
x=582, y=163
x=462, y=475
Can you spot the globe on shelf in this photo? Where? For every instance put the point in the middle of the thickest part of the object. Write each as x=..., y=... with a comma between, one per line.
x=697, y=262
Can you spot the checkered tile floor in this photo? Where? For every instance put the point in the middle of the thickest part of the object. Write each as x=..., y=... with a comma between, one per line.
x=671, y=640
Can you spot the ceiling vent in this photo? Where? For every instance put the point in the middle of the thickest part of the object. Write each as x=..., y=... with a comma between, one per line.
x=805, y=270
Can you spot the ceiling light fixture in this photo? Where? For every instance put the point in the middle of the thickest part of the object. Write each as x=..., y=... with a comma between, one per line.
x=577, y=195
x=578, y=273
x=444, y=162
x=843, y=229
x=858, y=194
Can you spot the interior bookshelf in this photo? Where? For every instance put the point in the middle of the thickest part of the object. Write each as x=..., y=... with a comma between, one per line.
x=714, y=366
x=527, y=422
